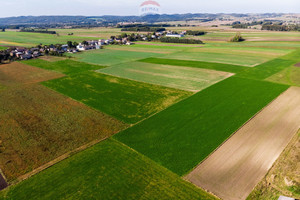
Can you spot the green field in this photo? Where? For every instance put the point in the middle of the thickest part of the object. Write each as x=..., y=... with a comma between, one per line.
x=197, y=64
x=108, y=170
x=33, y=39
x=64, y=66
x=288, y=76
x=183, y=135
x=111, y=57
x=127, y=100
x=185, y=78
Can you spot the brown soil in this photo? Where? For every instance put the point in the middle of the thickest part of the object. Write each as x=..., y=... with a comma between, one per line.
x=37, y=125
x=19, y=73
x=297, y=65
x=234, y=169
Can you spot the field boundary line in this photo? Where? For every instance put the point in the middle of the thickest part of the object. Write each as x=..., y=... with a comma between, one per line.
x=156, y=163
x=55, y=161
x=184, y=176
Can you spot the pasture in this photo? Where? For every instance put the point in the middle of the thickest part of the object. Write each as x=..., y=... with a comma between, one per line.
x=186, y=133
x=108, y=170
x=184, y=78
x=252, y=149
x=110, y=57
x=38, y=125
x=124, y=99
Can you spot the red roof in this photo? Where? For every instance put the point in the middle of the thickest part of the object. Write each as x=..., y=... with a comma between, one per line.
x=149, y=2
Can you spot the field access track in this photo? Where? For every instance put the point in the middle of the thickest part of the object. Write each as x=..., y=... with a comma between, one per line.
x=234, y=169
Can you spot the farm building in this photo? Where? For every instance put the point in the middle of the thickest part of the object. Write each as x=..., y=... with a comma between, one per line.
x=285, y=198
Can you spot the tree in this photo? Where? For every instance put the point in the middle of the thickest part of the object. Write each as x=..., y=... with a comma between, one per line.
x=3, y=29
x=75, y=44
x=85, y=42
x=70, y=44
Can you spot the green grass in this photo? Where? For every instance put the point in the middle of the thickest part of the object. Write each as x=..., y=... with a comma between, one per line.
x=272, y=67
x=112, y=57
x=108, y=170
x=2, y=48
x=223, y=56
x=185, y=78
x=64, y=66
x=198, y=64
x=184, y=134
x=288, y=76
x=32, y=39
x=127, y=100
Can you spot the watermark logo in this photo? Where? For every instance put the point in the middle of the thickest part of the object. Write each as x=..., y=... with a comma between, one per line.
x=149, y=8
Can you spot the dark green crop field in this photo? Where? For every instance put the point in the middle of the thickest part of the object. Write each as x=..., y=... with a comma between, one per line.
x=198, y=64
x=108, y=170
x=184, y=134
x=127, y=100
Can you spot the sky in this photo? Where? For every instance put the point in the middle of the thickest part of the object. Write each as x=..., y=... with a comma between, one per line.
x=9, y=8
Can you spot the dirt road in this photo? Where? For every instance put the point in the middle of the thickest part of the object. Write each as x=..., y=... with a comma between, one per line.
x=234, y=169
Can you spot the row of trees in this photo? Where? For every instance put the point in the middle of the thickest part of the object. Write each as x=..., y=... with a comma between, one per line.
x=37, y=31
x=195, y=33
x=178, y=40
x=237, y=38
x=277, y=27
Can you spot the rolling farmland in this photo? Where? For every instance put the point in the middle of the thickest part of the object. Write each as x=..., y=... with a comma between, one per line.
x=236, y=167
x=126, y=100
x=159, y=116
x=183, y=135
x=108, y=170
x=37, y=124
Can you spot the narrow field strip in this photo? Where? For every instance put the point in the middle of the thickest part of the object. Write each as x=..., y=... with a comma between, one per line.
x=184, y=78
x=197, y=64
x=184, y=134
x=240, y=163
x=108, y=170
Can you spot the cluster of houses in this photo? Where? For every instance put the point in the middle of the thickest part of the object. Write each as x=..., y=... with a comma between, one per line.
x=25, y=54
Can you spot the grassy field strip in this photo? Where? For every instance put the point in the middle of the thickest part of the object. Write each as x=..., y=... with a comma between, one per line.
x=126, y=100
x=181, y=136
x=288, y=76
x=184, y=78
x=283, y=177
x=110, y=57
x=241, y=162
x=231, y=58
x=108, y=170
x=197, y=64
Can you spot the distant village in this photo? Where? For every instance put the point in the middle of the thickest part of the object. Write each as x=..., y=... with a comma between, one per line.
x=23, y=53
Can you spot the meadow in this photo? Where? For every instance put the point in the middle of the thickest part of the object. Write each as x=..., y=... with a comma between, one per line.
x=183, y=135
x=108, y=170
x=184, y=78
x=124, y=99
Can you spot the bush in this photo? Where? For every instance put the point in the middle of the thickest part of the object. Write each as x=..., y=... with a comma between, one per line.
x=237, y=38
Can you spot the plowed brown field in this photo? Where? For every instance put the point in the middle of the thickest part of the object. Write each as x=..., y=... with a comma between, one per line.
x=234, y=169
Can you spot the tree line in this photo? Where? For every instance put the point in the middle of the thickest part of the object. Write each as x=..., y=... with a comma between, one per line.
x=178, y=40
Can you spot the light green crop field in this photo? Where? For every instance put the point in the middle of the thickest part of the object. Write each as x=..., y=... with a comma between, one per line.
x=288, y=76
x=108, y=170
x=14, y=38
x=111, y=57
x=229, y=55
x=127, y=100
x=185, y=78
